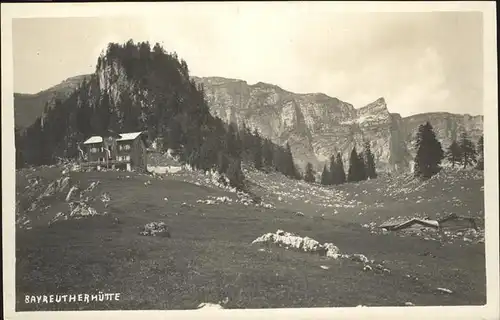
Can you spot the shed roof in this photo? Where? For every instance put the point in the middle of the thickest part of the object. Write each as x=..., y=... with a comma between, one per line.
x=410, y=222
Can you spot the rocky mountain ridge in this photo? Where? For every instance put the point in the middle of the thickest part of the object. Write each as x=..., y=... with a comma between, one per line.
x=27, y=107
x=315, y=125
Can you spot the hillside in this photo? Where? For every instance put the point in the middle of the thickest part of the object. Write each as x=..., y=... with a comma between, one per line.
x=209, y=256
x=27, y=107
x=139, y=88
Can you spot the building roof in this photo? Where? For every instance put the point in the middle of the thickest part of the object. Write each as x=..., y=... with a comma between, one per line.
x=93, y=139
x=127, y=136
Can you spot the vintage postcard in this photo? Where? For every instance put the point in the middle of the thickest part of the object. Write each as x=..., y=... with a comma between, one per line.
x=301, y=160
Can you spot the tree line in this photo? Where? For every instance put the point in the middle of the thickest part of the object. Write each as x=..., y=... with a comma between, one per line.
x=160, y=99
x=430, y=153
x=361, y=167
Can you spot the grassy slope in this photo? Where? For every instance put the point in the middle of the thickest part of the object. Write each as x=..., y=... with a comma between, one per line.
x=209, y=256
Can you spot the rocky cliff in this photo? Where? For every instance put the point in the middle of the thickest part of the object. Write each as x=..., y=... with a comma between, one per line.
x=317, y=125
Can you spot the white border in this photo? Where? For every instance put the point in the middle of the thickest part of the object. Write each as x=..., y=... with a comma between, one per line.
x=29, y=10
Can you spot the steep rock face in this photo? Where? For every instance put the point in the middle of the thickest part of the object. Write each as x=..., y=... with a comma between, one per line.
x=317, y=125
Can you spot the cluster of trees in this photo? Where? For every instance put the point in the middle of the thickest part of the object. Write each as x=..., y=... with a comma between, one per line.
x=334, y=174
x=430, y=153
x=361, y=167
x=161, y=100
x=466, y=153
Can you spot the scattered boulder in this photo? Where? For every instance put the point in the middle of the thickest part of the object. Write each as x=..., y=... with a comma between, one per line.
x=71, y=193
x=55, y=187
x=359, y=257
x=78, y=210
x=444, y=290
x=105, y=197
x=92, y=186
x=156, y=229
x=332, y=251
x=305, y=244
x=206, y=305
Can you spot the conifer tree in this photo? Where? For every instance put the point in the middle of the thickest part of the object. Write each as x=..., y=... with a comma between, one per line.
x=257, y=150
x=222, y=162
x=325, y=176
x=309, y=173
x=333, y=172
x=172, y=136
x=454, y=153
x=267, y=153
x=232, y=141
x=369, y=160
x=480, y=154
x=429, y=152
x=468, y=150
x=235, y=174
x=289, y=164
x=361, y=167
x=339, y=168
x=352, y=172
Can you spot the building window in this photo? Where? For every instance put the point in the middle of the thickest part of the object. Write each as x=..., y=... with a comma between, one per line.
x=124, y=147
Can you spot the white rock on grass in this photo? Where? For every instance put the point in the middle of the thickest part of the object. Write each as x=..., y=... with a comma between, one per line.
x=359, y=257
x=70, y=193
x=206, y=305
x=78, y=210
x=444, y=290
x=155, y=229
x=332, y=251
x=290, y=240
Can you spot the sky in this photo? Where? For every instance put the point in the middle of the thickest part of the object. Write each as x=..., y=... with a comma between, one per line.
x=419, y=62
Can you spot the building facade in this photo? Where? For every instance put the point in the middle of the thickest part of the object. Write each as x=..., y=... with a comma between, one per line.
x=113, y=150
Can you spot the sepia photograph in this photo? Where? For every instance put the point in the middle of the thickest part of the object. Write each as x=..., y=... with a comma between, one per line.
x=250, y=156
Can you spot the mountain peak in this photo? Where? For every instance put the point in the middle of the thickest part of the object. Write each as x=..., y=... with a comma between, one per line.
x=377, y=106
x=380, y=100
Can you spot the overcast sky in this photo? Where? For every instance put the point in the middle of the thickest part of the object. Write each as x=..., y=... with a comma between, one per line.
x=419, y=62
